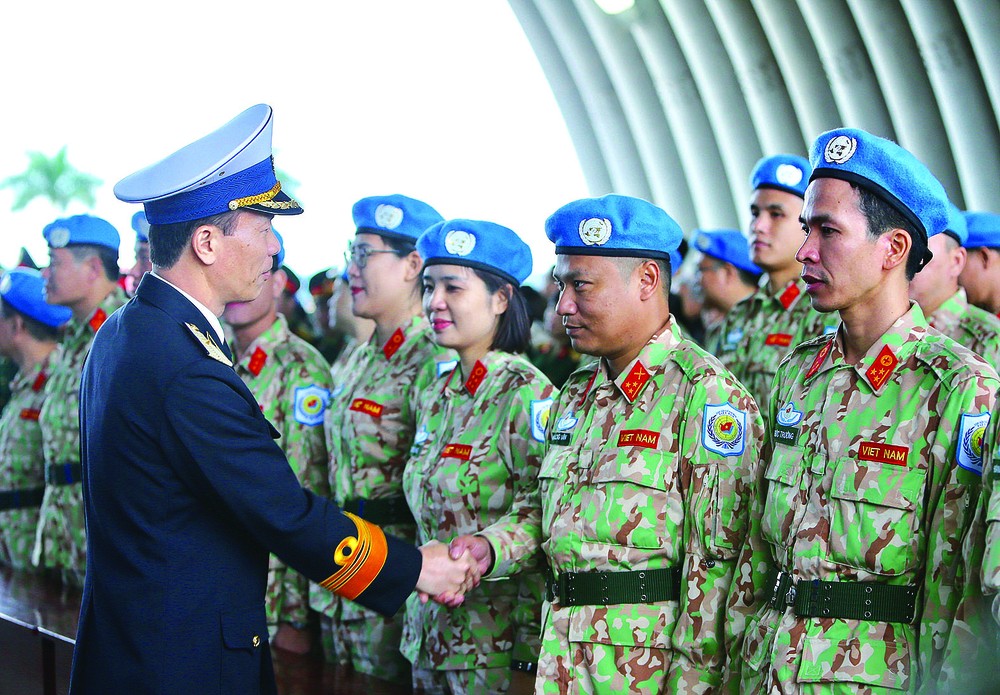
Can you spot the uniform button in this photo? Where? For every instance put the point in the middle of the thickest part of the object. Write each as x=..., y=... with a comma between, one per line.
x=256, y=640
x=709, y=564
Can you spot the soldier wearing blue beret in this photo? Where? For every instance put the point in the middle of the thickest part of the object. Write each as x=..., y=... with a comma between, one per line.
x=82, y=275
x=757, y=333
x=636, y=596
x=726, y=275
x=29, y=333
x=186, y=490
x=981, y=275
x=873, y=448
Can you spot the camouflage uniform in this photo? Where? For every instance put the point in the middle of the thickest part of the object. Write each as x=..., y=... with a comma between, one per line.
x=760, y=330
x=21, y=465
x=370, y=425
x=474, y=463
x=61, y=540
x=873, y=469
x=650, y=471
x=970, y=326
x=291, y=381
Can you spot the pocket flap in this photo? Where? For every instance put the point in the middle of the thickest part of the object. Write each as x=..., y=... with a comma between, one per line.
x=871, y=662
x=642, y=467
x=785, y=466
x=246, y=629
x=873, y=482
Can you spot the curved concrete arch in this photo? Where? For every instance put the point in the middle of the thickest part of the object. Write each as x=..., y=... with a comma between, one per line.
x=800, y=65
x=763, y=86
x=599, y=97
x=908, y=94
x=642, y=110
x=685, y=112
x=567, y=95
x=716, y=80
x=982, y=24
x=846, y=63
x=969, y=119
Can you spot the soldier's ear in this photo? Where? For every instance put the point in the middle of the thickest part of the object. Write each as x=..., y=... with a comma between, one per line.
x=413, y=265
x=650, y=279
x=279, y=278
x=897, y=245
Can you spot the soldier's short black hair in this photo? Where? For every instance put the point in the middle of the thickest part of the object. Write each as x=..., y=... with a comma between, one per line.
x=882, y=217
x=167, y=241
x=107, y=255
x=514, y=329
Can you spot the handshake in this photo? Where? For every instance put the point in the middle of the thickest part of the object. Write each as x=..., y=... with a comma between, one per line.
x=450, y=571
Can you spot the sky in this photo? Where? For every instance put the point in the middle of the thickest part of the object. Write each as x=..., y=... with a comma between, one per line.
x=441, y=100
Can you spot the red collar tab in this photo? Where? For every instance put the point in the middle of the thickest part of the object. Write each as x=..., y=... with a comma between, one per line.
x=257, y=361
x=779, y=339
x=790, y=294
x=881, y=368
x=476, y=378
x=590, y=383
x=636, y=379
x=820, y=356
x=40, y=381
x=97, y=320
x=393, y=343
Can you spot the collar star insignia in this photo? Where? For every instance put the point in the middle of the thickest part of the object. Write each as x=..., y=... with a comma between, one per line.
x=213, y=350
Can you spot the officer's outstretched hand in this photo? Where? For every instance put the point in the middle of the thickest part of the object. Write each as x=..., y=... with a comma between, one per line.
x=478, y=546
x=445, y=578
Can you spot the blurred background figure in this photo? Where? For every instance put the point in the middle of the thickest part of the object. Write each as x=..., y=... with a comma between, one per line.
x=291, y=308
x=328, y=340
x=142, y=263
x=291, y=381
x=725, y=275
x=553, y=354
x=29, y=331
x=354, y=329
x=981, y=275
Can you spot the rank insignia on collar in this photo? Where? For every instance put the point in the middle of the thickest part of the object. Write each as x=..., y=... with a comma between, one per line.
x=39, y=382
x=882, y=368
x=98, y=319
x=393, y=343
x=790, y=294
x=257, y=361
x=820, y=356
x=636, y=379
x=476, y=378
x=213, y=350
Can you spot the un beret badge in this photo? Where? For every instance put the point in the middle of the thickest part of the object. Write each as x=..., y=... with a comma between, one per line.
x=388, y=216
x=595, y=231
x=459, y=243
x=840, y=149
x=58, y=237
x=788, y=175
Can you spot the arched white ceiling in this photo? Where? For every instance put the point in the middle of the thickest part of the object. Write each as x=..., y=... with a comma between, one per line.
x=675, y=100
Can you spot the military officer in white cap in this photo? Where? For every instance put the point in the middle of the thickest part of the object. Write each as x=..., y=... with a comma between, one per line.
x=185, y=489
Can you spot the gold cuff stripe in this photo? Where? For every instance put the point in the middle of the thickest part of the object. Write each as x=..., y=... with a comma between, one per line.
x=258, y=199
x=366, y=562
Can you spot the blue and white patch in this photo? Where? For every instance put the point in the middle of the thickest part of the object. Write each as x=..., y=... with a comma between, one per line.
x=421, y=436
x=733, y=338
x=567, y=422
x=540, y=418
x=789, y=416
x=827, y=330
x=969, y=450
x=310, y=404
x=337, y=390
x=723, y=429
x=446, y=366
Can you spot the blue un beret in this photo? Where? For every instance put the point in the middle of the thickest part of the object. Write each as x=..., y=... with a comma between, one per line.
x=887, y=170
x=614, y=225
x=984, y=229
x=483, y=245
x=24, y=290
x=957, y=227
x=727, y=245
x=140, y=225
x=783, y=172
x=81, y=229
x=228, y=169
x=394, y=216
x=279, y=258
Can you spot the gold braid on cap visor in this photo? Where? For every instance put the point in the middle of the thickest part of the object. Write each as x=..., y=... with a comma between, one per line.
x=264, y=199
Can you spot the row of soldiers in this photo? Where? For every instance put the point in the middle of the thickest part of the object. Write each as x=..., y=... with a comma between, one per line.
x=694, y=539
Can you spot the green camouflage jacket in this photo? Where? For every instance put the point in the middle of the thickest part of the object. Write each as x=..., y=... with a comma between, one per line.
x=970, y=326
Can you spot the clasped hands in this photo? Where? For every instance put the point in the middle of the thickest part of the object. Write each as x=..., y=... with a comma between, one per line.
x=450, y=571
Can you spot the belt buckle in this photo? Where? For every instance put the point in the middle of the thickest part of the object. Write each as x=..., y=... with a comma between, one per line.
x=790, y=596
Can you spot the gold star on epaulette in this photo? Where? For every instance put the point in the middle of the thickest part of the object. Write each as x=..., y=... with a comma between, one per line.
x=213, y=350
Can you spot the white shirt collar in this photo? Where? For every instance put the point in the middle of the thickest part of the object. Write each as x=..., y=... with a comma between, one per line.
x=213, y=320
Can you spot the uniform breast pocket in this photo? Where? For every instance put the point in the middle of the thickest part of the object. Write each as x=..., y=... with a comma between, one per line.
x=874, y=513
x=630, y=502
x=785, y=506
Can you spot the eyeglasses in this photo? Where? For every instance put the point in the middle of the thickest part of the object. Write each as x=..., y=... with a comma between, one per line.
x=358, y=255
x=701, y=270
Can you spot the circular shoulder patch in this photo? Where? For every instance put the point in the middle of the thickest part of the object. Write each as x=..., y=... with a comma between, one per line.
x=58, y=237
x=788, y=175
x=388, y=216
x=459, y=243
x=595, y=231
x=840, y=149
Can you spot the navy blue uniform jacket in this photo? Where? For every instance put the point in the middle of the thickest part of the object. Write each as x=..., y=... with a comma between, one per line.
x=185, y=493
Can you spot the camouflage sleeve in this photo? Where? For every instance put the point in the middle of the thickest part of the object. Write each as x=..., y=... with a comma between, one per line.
x=527, y=616
x=719, y=448
x=304, y=444
x=950, y=493
x=515, y=537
